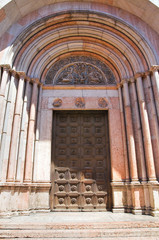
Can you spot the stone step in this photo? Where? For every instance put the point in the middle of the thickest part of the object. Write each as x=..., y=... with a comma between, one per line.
x=132, y=230
x=77, y=234
x=118, y=238
x=99, y=225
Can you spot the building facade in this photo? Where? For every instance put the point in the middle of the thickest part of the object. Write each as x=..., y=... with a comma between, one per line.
x=79, y=101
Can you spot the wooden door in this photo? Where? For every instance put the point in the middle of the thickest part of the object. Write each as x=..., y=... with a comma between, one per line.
x=80, y=164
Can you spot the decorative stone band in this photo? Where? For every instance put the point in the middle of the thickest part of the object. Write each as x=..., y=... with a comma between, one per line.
x=137, y=75
x=19, y=75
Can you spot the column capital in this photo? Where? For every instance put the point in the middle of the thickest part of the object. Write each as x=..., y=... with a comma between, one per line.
x=137, y=75
x=154, y=68
x=125, y=80
x=28, y=79
x=132, y=80
x=14, y=73
x=147, y=73
x=6, y=67
x=21, y=75
x=119, y=85
x=35, y=80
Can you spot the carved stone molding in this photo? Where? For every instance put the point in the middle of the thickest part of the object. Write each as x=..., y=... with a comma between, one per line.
x=57, y=102
x=102, y=102
x=80, y=102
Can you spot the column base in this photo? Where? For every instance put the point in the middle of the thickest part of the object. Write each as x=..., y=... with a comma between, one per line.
x=137, y=211
x=155, y=213
x=118, y=210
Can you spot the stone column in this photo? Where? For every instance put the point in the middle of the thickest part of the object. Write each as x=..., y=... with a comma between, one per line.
x=137, y=125
x=37, y=135
x=123, y=135
x=130, y=134
x=16, y=129
x=3, y=85
x=155, y=83
x=7, y=127
x=23, y=133
x=146, y=130
x=154, y=127
x=31, y=134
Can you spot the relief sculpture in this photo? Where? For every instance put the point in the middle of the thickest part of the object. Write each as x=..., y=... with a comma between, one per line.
x=80, y=70
x=57, y=102
x=79, y=102
x=81, y=73
x=102, y=102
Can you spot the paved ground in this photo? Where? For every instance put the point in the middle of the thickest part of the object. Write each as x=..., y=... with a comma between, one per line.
x=77, y=217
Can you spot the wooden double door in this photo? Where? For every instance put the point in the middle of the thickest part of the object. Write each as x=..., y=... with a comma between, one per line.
x=80, y=161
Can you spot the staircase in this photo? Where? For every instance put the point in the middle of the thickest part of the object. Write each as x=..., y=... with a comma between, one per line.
x=73, y=231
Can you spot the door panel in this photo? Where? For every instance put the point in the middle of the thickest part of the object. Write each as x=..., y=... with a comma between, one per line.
x=80, y=166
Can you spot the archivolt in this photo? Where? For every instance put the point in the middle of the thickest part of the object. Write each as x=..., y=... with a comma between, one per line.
x=45, y=41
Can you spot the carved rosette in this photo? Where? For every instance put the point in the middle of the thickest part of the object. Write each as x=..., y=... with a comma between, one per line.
x=61, y=200
x=57, y=102
x=73, y=188
x=88, y=200
x=80, y=102
x=88, y=188
x=73, y=175
x=102, y=102
x=100, y=200
x=61, y=175
x=73, y=200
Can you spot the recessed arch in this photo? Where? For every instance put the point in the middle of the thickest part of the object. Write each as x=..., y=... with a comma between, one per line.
x=48, y=38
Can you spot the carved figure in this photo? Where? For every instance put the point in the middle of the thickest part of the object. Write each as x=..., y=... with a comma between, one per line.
x=102, y=102
x=79, y=70
x=79, y=102
x=57, y=102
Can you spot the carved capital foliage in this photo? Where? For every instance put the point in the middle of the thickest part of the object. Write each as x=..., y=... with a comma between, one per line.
x=124, y=81
x=14, y=73
x=80, y=102
x=119, y=85
x=137, y=75
x=154, y=68
x=6, y=67
x=22, y=75
x=35, y=80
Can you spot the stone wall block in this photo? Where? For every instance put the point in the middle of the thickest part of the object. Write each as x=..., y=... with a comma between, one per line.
x=116, y=146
